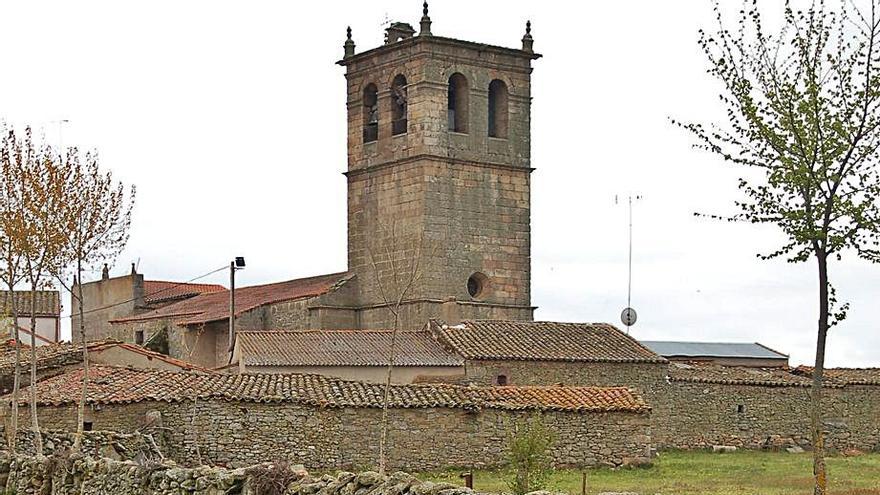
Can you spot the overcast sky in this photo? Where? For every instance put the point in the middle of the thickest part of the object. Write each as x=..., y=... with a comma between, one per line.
x=230, y=119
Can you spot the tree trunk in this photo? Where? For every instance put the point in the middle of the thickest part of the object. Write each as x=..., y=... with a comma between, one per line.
x=383, y=439
x=16, y=380
x=819, y=473
x=35, y=422
x=81, y=407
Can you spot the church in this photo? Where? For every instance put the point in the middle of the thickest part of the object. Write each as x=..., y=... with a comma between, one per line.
x=439, y=231
x=438, y=284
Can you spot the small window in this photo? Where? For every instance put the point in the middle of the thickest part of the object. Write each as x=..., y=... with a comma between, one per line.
x=501, y=380
x=476, y=285
x=457, y=103
x=498, y=109
x=371, y=113
x=398, y=105
x=139, y=337
x=740, y=408
x=87, y=426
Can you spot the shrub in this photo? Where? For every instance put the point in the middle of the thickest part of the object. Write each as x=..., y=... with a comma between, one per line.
x=529, y=450
x=271, y=479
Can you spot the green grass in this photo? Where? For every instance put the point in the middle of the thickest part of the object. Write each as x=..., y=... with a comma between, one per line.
x=692, y=473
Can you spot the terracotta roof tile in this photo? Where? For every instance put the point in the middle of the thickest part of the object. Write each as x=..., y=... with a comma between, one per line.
x=112, y=385
x=342, y=348
x=542, y=341
x=48, y=303
x=844, y=376
x=157, y=291
x=735, y=375
x=210, y=307
x=65, y=354
x=48, y=356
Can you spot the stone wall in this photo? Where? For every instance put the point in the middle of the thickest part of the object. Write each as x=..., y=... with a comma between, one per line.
x=89, y=476
x=646, y=377
x=698, y=415
x=241, y=433
x=109, y=444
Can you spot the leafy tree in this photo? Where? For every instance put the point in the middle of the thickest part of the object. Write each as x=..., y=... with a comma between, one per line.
x=802, y=115
x=96, y=215
x=34, y=183
x=11, y=152
x=530, y=461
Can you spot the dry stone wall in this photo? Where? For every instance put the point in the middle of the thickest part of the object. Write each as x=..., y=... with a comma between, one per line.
x=112, y=445
x=699, y=415
x=238, y=433
x=89, y=476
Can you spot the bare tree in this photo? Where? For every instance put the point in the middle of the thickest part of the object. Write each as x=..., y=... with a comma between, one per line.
x=11, y=151
x=802, y=110
x=396, y=264
x=96, y=215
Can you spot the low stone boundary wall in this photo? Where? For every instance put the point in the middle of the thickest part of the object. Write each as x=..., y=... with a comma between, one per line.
x=699, y=415
x=229, y=433
x=88, y=476
x=108, y=444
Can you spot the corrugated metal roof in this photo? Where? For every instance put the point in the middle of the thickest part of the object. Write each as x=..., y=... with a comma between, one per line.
x=712, y=349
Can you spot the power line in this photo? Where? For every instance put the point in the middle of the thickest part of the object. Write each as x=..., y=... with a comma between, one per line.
x=120, y=303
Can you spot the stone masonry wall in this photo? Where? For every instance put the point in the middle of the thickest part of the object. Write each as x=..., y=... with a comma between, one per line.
x=237, y=433
x=120, y=446
x=643, y=376
x=698, y=415
x=90, y=476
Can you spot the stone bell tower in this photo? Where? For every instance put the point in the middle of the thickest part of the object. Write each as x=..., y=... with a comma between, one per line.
x=439, y=177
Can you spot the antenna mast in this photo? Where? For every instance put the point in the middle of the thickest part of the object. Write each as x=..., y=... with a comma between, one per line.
x=628, y=317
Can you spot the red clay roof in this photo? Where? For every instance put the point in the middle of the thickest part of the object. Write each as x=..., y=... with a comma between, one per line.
x=210, y=307
x=844, y=376
x=65, y=353
x=113, y=385
x=342, y=348
x=48, y=303
x=157, y=291
x=701, y=372
x=542, y=341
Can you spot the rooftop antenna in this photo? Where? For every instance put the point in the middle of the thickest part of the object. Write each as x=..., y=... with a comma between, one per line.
x=629, y=316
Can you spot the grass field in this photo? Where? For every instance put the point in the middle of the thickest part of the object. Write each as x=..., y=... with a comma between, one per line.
x=692, y=473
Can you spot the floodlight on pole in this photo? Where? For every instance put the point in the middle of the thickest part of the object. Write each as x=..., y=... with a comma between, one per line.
x=234, y=265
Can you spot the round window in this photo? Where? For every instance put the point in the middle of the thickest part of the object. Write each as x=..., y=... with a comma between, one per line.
x=476, y=285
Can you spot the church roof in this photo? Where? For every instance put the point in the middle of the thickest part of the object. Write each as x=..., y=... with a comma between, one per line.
x=205, y=308
x=342, y=348
x=712, y=349
x=542, y=341
x=114, y=385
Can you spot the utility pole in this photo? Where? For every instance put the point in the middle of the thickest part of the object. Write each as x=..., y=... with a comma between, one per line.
x=236, y=264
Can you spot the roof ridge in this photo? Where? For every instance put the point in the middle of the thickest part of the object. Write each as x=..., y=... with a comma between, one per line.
x=332, y=330
x=311, y=277
x=181, y=283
